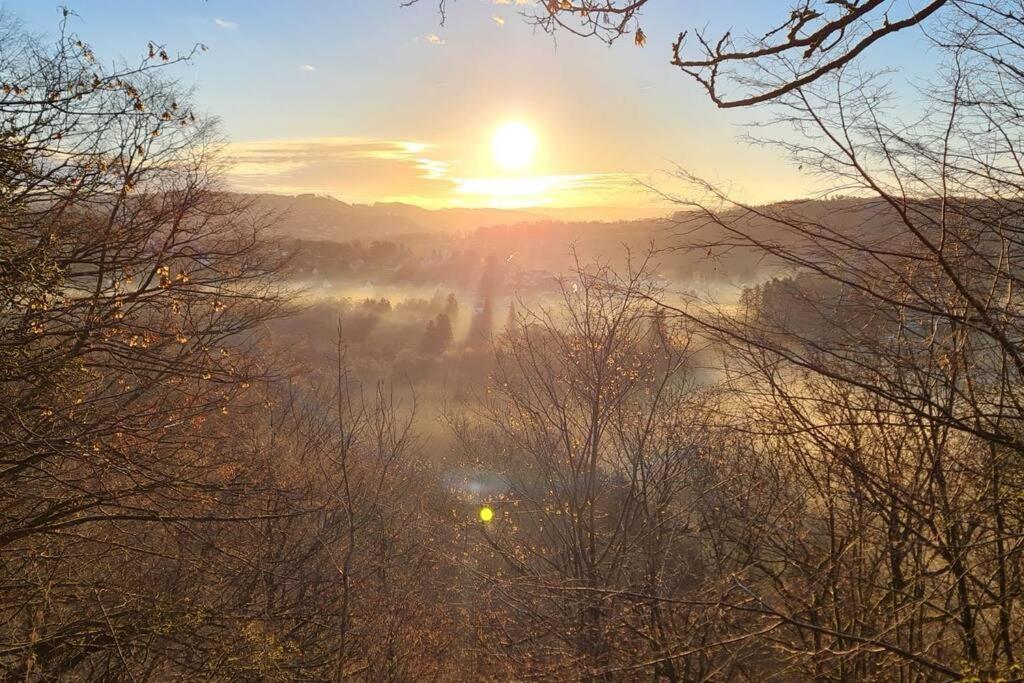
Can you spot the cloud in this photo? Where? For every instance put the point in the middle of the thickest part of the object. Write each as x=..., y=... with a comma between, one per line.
x=368, y=170
x=498, y=20
x=359, y=169
x=512, y=2
x=434, y=39
x=226, y=25
x=307, y=67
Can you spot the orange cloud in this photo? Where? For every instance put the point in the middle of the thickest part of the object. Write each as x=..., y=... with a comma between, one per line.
x=370, y=170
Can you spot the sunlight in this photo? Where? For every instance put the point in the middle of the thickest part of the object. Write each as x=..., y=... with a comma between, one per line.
x=513, y=146
x=507, y=193
x=580, y=189
x=486, y=514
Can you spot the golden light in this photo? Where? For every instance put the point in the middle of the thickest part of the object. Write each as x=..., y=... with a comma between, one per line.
x=513, y=146
x=486, y=514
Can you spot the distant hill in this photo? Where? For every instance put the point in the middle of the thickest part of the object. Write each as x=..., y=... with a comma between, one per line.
x=537, y=240
x=404, y=244
x=316, y=217
x=844, y=219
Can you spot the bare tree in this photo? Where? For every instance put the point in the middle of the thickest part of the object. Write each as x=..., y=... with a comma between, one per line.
x=810, y=39
x=598, y=440
x=864, y=520
x=179, y=499
x=131, y=293
x=883, y=378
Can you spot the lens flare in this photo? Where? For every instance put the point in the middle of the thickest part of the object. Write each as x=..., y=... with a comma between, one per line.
x=486, y=514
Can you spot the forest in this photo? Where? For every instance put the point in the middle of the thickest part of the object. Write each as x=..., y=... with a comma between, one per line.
x=249, y=437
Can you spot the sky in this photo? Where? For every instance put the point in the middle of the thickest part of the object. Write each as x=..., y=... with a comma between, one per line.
x=367, y=101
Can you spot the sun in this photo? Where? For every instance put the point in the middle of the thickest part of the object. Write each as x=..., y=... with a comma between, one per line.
x=513, y=146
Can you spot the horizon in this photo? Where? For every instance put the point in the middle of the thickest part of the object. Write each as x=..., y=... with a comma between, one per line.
x=594, y=213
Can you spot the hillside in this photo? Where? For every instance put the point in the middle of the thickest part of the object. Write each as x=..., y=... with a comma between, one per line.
x=310, y=216
x=318, y=217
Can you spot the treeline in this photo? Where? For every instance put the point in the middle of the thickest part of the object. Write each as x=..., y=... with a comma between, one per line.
x=531, y=253
x=418, y=340
x=388, y=262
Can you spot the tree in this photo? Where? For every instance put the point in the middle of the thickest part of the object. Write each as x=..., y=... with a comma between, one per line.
x=885, y=378
x=131, y=295
x=807, y=42
x=451, y=308
x=863, y=525
x=481, y=326
x=438, y=335
x=589, y=425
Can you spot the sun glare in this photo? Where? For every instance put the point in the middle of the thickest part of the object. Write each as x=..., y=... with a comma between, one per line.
x=513, y=146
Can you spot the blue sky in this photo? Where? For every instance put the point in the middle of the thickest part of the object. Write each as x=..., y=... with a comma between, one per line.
x=335, y=79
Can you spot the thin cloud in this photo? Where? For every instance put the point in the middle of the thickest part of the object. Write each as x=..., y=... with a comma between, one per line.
x=434, y=39
x=376, y=169
x=307, y=67
x=363, y=168
x=224, y=24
